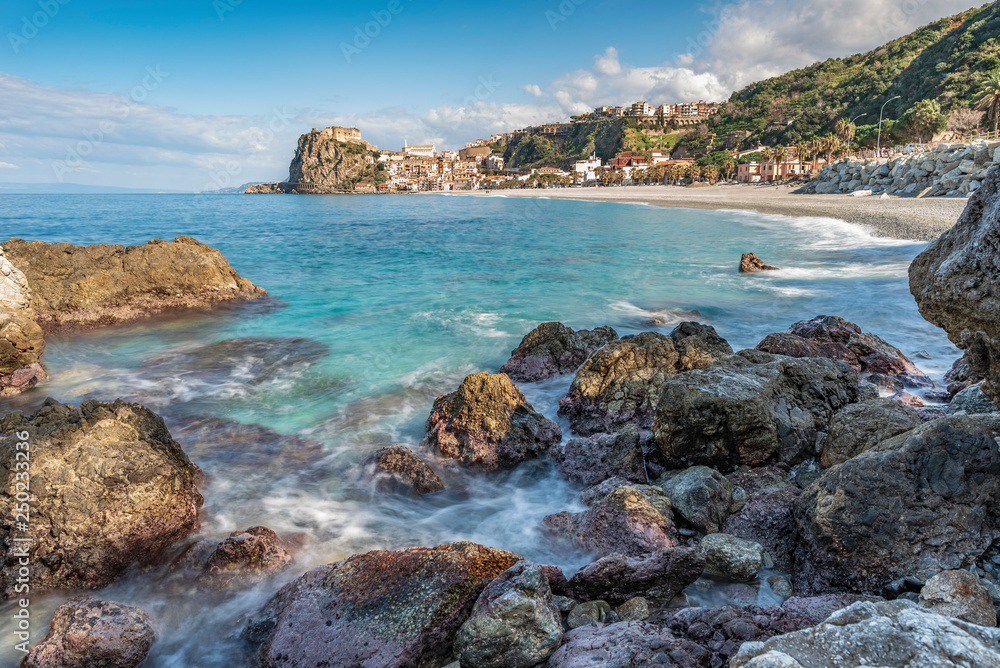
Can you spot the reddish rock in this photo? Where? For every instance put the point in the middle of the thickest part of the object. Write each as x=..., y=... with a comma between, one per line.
x=552, y=349
x=768, y=516
x=658, y=576
x=397, y=468
x=245, y=558
x=377, y=610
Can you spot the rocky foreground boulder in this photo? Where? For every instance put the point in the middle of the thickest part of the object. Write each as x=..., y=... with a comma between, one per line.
x=89, y=632
x=961, y=595
x=858, y=427
x=488, y=424
x=514, y=623
x=74, y=286
x=21, y=342
x=956, y=283
x=922, y=502
x=700, y=495
x=553, y=349
x=768, y=514
x=657, y=576
x=836, y=338
x=591, y=461
x=620, y=383
x=377, y=610
x=109, y=488
x=889, y=634
x=752, y=408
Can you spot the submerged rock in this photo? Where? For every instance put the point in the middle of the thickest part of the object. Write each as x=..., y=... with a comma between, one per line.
x=702, y=496
x=514, y=623
x=102, y=284
x=21, y=341
x=397, y=468
x=632, y=520
x=750, y=264
x=87, y=632
x=593, y=460
x=621, y=382
x=836, y=338
x=377, y=610
x=658, y=576
x=923, y=501
x=244, y=559
x=955, y=282
x=109, y=488
x=857, y=427
x=752, y=408
x=552, y=349
x=890, y=634
x=960, y=595
x=488, y=424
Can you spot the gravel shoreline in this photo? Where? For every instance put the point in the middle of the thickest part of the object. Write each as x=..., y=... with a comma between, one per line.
x=896, y=217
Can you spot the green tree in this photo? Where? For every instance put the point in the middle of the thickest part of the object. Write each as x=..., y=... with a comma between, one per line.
x=989, y=98
x=925, y=120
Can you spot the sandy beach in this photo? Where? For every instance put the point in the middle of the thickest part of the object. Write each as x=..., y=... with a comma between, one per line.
x=897, y=217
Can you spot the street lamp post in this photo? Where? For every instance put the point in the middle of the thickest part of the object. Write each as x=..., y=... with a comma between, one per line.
x=879, y=148
x=850, y=139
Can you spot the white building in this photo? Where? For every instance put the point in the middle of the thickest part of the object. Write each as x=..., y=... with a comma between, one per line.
x=495, y=162
x=589, y=169
x=420, y=151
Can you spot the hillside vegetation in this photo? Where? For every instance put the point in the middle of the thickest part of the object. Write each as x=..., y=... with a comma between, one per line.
x=945, y=61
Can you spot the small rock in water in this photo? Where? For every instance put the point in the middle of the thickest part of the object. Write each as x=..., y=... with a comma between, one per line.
x=730, y=557
x=89, y=632
x=244, y=559
x=397, y=468
x=923, y=354
x=781, y=587
x=751, y=264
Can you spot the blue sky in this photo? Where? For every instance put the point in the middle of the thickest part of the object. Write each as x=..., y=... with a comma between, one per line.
x=197, y=94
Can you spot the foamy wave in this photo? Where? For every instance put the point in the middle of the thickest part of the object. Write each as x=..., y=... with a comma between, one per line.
x=821, y=233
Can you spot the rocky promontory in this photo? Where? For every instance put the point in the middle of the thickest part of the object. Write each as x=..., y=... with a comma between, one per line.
x=85, y=286
x=21, y=342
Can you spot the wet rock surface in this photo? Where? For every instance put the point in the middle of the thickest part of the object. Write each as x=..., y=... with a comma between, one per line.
x=397, y=468
x=855, y=428
x=593, y=460
x=552, y=349
x=21, y=341
x=488, y=424
x=244, y=559
x=752, y=408
x=109, y=488
x=751, y=264
x=700, y=495
x=836, y=338
x=378, y=609
x=768, y=515
x=514, y=623
x=631, y=519
x=621, y=382
x=890, y=634
x=955, y=282
x=920, y=502
x=83, y=286
x=88, y=632
x=658, y=576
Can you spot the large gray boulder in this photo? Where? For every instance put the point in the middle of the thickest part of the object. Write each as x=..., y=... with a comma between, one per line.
x=889, y=634
x=956, y=283
x=855, y=428
x=87, y=632
x=629, y=519
x=109, y=488
x=972, y=401
x=591, y=461
x=702, y=496
x=376, y=610
x=621, y=382
x=514, y=623
x=922, y=502
x=553, y=349
x=752, y=408
x=768, y=515
x=488, y=424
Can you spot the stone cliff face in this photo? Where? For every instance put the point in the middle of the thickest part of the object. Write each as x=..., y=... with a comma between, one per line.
x=21, y=342
x=956, y=282
x=324, y=164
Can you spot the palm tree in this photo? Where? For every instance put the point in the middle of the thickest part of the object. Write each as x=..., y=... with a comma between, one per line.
x=712, y=174
x=728, y=167
x=845, y=130
x=830, y=145
x=989, y=100
x=694, y=172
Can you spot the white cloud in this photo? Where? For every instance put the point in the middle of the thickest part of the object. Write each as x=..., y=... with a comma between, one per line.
x=7, y=165
x=534, y=90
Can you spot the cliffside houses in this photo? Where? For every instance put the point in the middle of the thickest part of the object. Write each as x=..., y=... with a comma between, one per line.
x=683, y=110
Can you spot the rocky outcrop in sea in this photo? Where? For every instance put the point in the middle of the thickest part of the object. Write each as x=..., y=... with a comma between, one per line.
x=21, y=341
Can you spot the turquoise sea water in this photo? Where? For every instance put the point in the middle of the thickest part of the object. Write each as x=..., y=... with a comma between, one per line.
x=395, y=300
